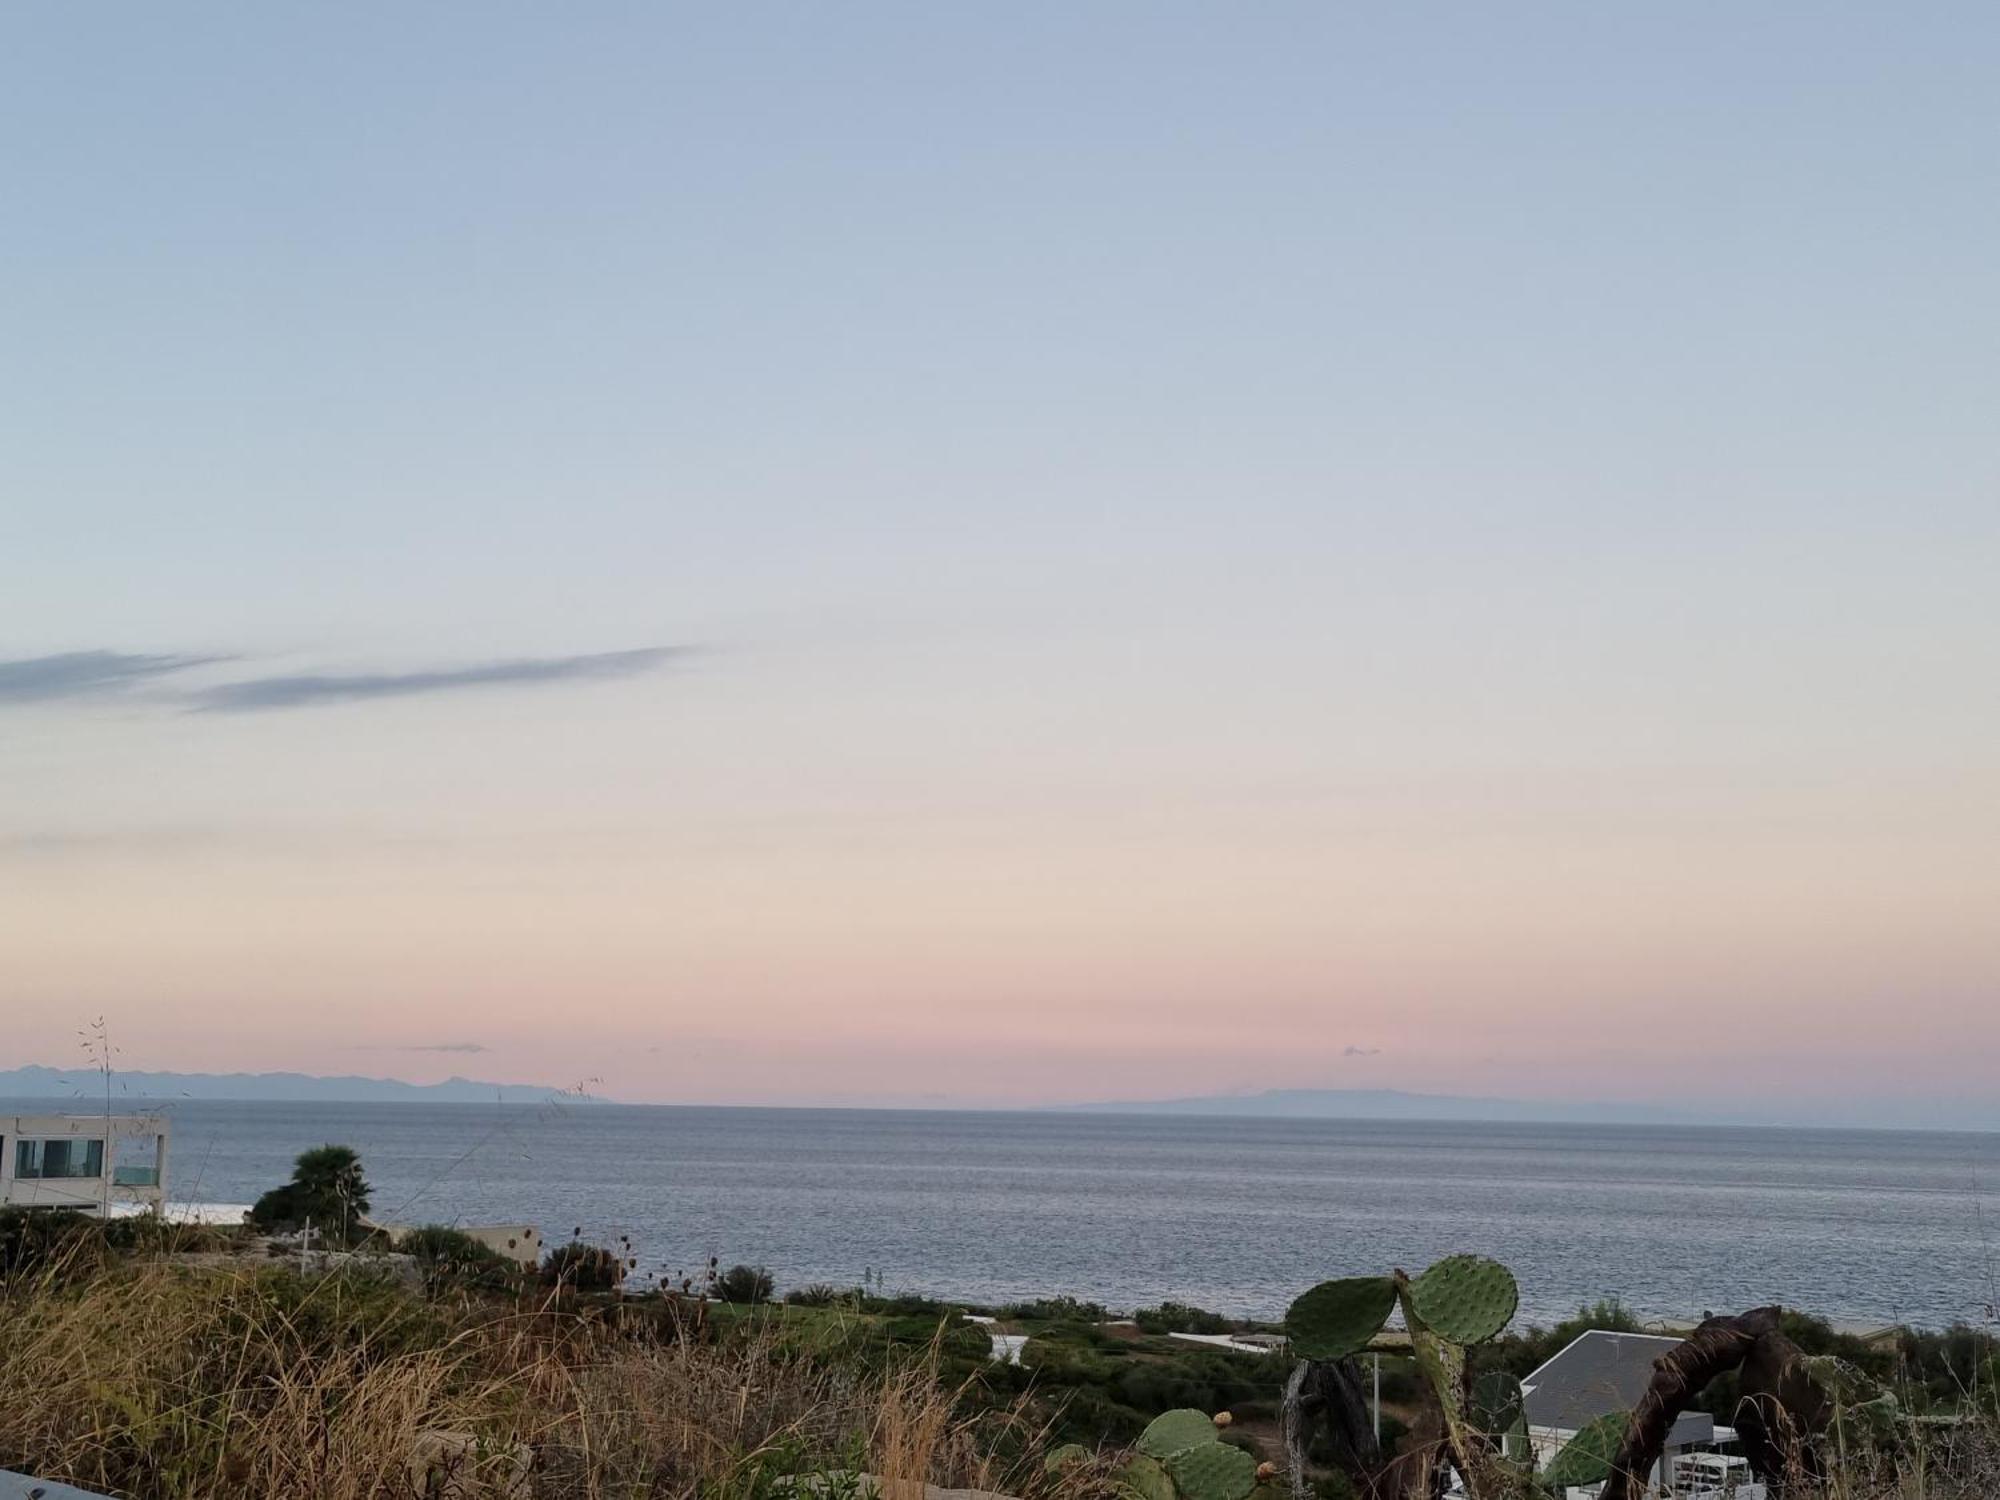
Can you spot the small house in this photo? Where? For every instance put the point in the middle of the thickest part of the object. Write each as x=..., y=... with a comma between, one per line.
x=103, y=1164
x=1601, y=1372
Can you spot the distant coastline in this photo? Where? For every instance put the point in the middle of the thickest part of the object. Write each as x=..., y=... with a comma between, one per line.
x=85, y=1084
x=1399, y=1106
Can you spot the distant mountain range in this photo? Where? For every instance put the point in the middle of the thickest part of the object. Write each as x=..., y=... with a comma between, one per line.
x=86, y=1084
x=1394, y=1104
x=1837, y=1111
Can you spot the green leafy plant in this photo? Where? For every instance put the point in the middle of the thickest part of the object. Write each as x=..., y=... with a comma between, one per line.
x=327, y=1191
x=745, y=1284
x=819, y=1294
x=1181, y=1456
x=451, y=1257
x=1180, y=1317
x=584, y=1268
x=1460, y=1301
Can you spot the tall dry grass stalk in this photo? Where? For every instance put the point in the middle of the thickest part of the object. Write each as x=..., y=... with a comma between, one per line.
x=153, y=1380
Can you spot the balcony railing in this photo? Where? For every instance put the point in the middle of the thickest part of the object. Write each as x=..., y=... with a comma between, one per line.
x=135, y=1176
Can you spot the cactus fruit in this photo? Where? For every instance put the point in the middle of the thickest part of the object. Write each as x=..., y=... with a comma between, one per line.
x=1172, y=1431
x=1496, y=1402
x=1465, y=1298
x=1213, y=1471
x=1586, y=1458
x=1338, y=1318
x=1148, y=1478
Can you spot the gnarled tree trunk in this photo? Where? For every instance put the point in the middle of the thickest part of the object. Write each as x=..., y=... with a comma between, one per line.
x=1326, y=1393
x=1781, y=1408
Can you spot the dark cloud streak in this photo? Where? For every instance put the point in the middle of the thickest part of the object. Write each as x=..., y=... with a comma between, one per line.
x=258, y=694
x=85, y=674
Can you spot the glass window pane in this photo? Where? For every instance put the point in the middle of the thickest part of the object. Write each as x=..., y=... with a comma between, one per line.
x=59, y=1158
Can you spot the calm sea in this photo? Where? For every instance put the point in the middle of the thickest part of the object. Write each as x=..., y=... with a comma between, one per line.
x=1236, y=1215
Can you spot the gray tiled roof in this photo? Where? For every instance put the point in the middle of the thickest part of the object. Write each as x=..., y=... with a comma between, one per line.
x=1600, y=1373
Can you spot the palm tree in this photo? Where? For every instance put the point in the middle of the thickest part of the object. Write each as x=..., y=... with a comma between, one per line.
x=327, y=1190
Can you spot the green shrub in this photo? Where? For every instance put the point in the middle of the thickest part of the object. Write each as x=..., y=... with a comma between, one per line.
x=355, y=1308
x=1055, y=1310
x=744, y=1284
x=327, y=1191
x=1179, y=1317
x=817, y=1294
x=583, y=1268
x=951, y=1333
x=1090, y=1417
x=38, y=1241
x=452, y=1257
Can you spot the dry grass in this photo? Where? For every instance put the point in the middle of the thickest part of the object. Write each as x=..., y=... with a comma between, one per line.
x=1945, y=1463
x=156, y=1379
x=149, y=1379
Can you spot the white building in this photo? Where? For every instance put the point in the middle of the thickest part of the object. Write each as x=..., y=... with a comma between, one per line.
x=1598, y=1373
x=93, y=1163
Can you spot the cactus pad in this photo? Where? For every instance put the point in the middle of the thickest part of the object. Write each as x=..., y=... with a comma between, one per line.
x=1068, y=1456
x=1148, y=1479
x=1213, y=1471
x=1586, y=1458
x=1465, y=1298
x=1172, y=1431
x=1338, y=1318
x=1496, y=1402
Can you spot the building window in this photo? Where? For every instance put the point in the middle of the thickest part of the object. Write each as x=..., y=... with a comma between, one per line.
x=64, y=1158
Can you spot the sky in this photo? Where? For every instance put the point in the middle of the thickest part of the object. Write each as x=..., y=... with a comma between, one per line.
x=995, y=555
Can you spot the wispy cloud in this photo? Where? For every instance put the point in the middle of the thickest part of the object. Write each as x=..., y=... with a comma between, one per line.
x=83, y=674
x=303, y=691
x=446, y=1047
x=1362, y=1052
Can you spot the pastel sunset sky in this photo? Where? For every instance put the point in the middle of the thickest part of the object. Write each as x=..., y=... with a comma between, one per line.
x=907, y=553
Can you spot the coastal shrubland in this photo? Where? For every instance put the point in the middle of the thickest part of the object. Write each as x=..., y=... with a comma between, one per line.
x=584, y=1267
x=156, y=1363
x=144, y=1376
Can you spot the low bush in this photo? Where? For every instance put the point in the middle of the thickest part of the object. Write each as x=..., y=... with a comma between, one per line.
x=1179, y=1317
x=584, y=1268
x=451, y=1257
x=48, y=1241
x=818, y=1294
x=1055, y=1310
x=744, y=1284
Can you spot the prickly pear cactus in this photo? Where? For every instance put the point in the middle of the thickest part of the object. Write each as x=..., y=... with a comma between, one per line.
x=1148, y=1478
x=1172, y=1431
x=1180, y=1458
x=1068, y=1456
x=1212, y=1471
x=1465, y=1298
x=1462, y=1300
x=1586, y=1458
x=1338, y=1318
